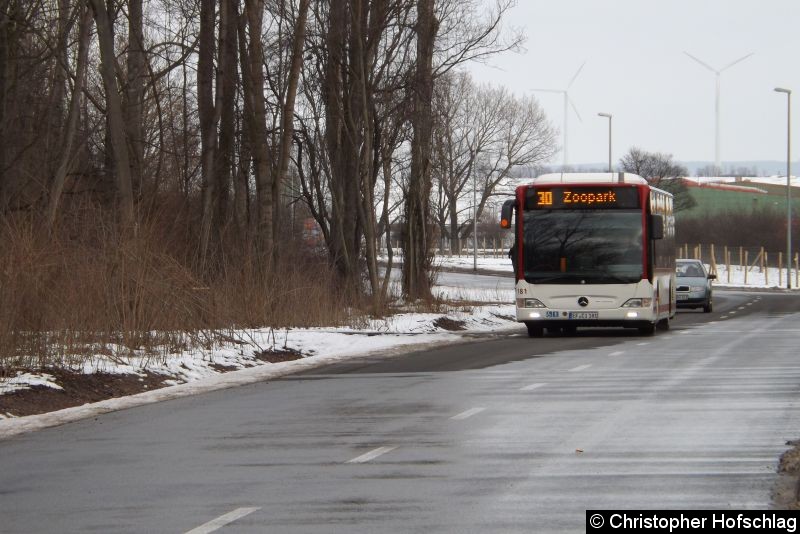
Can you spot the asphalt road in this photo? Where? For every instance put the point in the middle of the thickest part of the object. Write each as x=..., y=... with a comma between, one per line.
x=502, y=434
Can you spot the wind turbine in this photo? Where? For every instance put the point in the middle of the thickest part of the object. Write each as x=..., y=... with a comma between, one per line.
x=717, y=163
x=567, y=102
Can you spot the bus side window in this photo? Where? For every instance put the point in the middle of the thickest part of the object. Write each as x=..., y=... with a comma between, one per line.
x=656, y=227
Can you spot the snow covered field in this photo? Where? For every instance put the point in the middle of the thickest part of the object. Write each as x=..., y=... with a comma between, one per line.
x=754, y=278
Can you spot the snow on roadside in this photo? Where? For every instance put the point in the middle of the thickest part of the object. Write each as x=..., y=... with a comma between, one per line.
x=241, y=350
x=26, y=381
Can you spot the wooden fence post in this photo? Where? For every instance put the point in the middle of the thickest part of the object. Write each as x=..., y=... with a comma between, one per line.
x=765, y=264
x=746, y=267
x=725, y=257
x=761, y=255
x=780, y=270
x=713, y=260
x=728, y=263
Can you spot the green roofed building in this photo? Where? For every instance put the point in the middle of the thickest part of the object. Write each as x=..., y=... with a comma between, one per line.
x=717, y=195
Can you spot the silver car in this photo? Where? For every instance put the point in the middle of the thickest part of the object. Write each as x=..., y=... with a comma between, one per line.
x=694, y=285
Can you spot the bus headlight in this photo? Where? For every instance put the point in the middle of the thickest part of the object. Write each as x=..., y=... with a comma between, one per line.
x=638, y=303
x=530, y=303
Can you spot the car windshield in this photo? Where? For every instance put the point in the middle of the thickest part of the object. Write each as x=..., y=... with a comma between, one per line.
x=689, y=270
x=586, y=246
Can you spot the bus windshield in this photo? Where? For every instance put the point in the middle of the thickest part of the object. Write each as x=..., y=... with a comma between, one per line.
x=582, y=246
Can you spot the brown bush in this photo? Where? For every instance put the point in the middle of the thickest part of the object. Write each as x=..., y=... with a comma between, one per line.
x=84, y=287
x=757, y=228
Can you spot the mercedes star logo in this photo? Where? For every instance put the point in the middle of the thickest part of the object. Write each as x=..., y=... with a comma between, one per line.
x=583, y=301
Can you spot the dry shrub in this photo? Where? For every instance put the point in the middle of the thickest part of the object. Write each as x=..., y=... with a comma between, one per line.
x=87, y=288
x=757, y=228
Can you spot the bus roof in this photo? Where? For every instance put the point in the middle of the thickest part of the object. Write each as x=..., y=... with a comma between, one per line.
x=589, y=178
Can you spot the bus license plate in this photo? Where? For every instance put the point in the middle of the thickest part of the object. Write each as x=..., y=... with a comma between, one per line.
x=583, y=315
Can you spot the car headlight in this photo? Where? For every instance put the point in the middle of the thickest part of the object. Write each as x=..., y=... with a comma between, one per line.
x=530, y=303
x=638, y=303
x=697, y=288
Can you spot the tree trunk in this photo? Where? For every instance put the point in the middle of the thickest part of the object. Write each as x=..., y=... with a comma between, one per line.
x=114, y=113
x=134, y=93
x=256, y=126
x=287, y=113
x=67, y=154
x=227, y=79
x=6, y=22
x=345, y=232
x=55, y=128
x=208, y=120
x=416, y=242
x=455, y=235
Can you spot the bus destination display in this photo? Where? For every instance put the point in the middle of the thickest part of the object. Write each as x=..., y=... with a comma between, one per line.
x=553, y=198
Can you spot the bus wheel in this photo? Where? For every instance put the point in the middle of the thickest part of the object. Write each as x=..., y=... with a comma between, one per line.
x=554, y=330
x=663, y=325
x=570, y=330
x=648, y=330
x=534, y=331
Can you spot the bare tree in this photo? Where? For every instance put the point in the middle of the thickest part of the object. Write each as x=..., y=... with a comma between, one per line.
x=661, y=171
x=416, y=239
x=114, y=115
x=482, y=134
x=287, y=111
x=134, y=92
x=448, y=33
x=68, y=151
x=350, y=135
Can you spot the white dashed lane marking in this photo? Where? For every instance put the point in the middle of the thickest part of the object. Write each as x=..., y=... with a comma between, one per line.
x=580, y=368
x=466, y=414
x=531, y=387
x=371, y=455
x=221, y=521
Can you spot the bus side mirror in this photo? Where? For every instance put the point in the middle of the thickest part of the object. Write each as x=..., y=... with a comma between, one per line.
x=507, y=213
x=656, y=227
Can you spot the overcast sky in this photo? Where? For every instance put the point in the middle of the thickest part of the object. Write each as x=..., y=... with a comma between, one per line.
x=636, y=69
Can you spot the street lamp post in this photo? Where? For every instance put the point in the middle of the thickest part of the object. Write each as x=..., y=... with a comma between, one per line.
x=608, y=116
x=788, y=184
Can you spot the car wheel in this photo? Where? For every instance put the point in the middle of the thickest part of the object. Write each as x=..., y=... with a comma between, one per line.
x=708, y=307
x=663, y=325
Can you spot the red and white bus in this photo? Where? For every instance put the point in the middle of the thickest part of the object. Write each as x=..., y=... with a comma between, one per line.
x=592, y=249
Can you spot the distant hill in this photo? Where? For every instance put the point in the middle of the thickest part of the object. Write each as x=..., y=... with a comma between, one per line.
x=755, y=167
x=729, y=168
